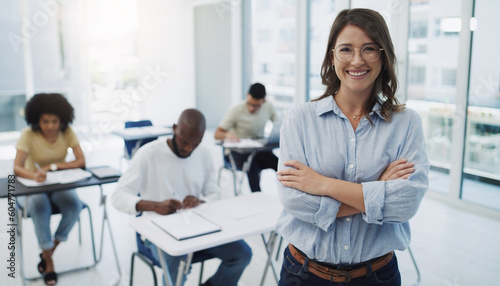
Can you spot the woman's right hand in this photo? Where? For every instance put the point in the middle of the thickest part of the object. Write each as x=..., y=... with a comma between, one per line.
x=399, y=169
x=40, y=176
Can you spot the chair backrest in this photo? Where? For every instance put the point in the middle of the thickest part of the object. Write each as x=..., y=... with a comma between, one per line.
x=130, y=145
x=140, y=123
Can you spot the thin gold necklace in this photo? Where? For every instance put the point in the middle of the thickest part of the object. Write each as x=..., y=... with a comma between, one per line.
x=354, y=116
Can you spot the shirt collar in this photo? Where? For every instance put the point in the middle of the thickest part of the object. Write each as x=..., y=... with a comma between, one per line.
x=327, y=104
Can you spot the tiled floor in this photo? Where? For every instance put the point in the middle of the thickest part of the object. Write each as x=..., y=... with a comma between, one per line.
x=452, y=247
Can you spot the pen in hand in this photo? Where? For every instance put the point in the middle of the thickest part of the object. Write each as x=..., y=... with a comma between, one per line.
x=40, y=175
x=38, y=167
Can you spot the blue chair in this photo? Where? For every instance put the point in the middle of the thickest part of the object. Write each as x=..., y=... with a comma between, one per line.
x=131, y=146
x=22, y=214
x=144, y=254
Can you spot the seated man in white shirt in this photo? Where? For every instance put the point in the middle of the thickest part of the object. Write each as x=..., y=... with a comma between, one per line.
x=173, y=174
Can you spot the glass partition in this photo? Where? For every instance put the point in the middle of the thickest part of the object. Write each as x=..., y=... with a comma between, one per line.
x=431, y=80
x=481, y=173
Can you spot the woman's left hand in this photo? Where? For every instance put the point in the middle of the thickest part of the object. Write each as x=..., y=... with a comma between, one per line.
x=302, y=178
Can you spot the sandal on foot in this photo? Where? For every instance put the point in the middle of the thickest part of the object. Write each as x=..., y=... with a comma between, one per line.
x=50, y=278
x=42, y=266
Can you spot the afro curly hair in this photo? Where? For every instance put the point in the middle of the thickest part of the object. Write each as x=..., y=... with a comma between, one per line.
x=48, y=103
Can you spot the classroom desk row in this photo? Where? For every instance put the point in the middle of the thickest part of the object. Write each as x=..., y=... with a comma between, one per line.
x=260, y=218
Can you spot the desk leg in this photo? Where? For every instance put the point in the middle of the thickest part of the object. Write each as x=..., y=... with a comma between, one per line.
x=19, y=248
x=184, y=268
x=105, y=220
x=270, y=245
x=237, y=186
x=166, y=273
x=245, y=168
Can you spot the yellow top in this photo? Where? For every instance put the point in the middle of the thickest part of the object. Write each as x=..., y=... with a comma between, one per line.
x=43, y=152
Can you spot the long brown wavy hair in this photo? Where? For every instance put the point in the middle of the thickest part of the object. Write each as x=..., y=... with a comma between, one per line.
x=384, y=90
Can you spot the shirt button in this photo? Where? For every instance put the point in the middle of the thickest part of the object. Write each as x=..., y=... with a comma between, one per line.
x=348, y=219
x=352, y=140
x=346, y=247
x=351, y=166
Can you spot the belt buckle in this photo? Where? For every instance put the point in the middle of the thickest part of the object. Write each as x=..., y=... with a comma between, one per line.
x=347, y=276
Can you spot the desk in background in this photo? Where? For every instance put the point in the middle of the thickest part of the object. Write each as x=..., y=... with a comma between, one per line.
x=244, y=149
x=239, y=217
x=21, y=190
x=139, y=133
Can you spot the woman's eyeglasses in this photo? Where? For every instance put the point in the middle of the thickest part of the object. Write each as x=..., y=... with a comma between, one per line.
x=369, y=52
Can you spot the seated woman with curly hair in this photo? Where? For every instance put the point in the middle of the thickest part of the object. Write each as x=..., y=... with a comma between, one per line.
x=43, y=147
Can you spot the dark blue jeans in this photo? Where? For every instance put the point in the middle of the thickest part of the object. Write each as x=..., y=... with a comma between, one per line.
x=294, y=274
x=262, y=160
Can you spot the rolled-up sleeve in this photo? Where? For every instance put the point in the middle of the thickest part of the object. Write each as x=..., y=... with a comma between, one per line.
x=317, y=210
x=397, y=201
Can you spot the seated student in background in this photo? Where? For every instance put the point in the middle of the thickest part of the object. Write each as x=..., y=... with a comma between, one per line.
x=247, y=120
x=43, y=147
x=173, y=174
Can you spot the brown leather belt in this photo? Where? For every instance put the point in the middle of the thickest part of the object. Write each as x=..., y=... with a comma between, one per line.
x=338, y=275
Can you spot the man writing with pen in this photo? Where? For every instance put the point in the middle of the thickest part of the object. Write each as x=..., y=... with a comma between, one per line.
x=173, y=174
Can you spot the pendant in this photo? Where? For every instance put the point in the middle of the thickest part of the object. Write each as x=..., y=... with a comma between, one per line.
x=354, y=117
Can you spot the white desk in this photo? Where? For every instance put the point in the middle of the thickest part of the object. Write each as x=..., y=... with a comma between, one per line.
x=244, y=148
x=263, y=211
x=21, y=190
x=138, y=133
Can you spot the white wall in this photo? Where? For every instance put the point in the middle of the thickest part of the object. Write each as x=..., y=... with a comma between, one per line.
x=166, y=52
x=213, y=63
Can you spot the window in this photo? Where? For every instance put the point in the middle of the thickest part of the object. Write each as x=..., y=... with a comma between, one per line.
x=321, y=16
x=418, y=29
x=433, y=95
x=12, y=85
x=447, y=27
x=416, y=76
x=481, y=172
x=449, y=77
x=114, y=62
x=273, y=50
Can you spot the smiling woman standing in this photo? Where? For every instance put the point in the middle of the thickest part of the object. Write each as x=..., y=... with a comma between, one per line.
x=43, y=147
x=353, y=166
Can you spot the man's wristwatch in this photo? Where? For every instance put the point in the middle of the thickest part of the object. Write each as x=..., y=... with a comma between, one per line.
x=53, y=167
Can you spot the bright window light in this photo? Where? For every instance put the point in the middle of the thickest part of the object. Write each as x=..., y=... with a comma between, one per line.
x=451, y=24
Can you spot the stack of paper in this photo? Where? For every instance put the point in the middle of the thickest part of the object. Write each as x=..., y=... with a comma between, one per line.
x=243, y=143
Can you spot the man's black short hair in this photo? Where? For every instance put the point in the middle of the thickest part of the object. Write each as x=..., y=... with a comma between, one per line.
x=48, y=103
x=257, y=91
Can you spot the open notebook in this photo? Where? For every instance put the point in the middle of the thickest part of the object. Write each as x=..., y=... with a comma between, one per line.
x=185, y=224
x=58, y=177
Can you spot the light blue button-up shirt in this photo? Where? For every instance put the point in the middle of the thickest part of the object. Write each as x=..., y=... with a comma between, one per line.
x=320, y=136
